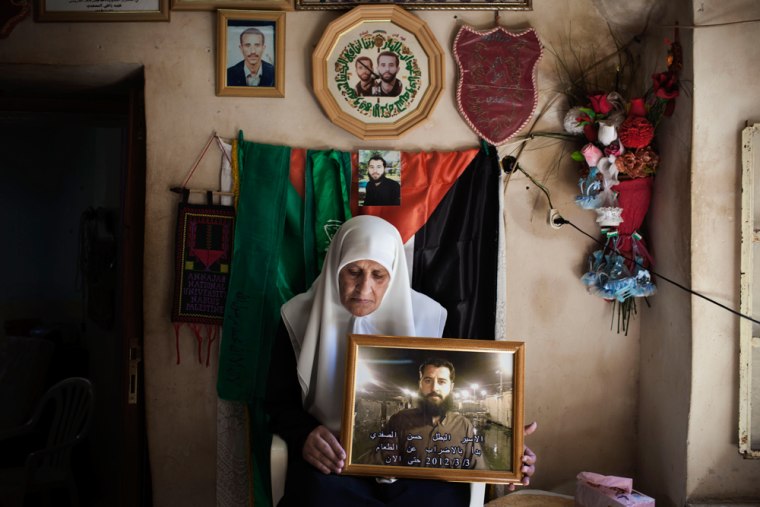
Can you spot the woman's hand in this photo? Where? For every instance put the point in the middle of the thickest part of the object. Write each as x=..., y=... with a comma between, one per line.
x=323, y=451
x=528, y=458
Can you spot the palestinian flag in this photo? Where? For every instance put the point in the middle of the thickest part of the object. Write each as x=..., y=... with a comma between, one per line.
x=449, y=221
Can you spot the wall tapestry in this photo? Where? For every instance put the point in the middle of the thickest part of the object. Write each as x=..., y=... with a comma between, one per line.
x=202, y=269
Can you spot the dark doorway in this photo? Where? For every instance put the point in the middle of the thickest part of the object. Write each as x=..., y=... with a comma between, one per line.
x=72, y=200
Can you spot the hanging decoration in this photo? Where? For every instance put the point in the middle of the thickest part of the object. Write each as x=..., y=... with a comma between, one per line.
x=496, y=89
x=203, y=256
x=618, y=162
x=378, y=71
x=202, y=265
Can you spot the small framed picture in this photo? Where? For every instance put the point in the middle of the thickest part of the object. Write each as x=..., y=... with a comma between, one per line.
x=435, y=408
x=250, y=53
x=470, y=5
x=212, y=5
x=379, y=178
x=105, y=10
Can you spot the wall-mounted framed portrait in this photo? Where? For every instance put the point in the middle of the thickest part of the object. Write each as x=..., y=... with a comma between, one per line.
x=446, y=409
x=212, y=5
x=504, y=5
x=250, y=53
x=377, y=71
x=102, y=10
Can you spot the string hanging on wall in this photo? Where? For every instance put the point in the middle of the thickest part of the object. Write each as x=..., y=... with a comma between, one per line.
x=509, y=164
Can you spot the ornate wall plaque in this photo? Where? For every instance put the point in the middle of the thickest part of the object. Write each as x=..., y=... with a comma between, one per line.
x=496, y=90
x=377, y=71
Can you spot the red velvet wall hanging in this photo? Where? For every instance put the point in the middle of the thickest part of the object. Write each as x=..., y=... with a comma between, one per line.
x=496, y=90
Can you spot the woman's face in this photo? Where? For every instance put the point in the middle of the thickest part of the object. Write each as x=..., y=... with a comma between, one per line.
x=362, y=286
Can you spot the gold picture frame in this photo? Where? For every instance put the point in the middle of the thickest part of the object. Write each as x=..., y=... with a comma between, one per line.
x=363, y=41
x=490, y=5
x=105, y=10
x=212, y=5
x=232, y=63
x=480, y=437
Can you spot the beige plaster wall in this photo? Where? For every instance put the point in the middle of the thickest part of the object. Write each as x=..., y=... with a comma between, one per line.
x=726, y=72
x=582, y=377
x=665, y=360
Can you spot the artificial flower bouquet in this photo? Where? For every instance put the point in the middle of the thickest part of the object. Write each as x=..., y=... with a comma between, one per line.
x=618, y=162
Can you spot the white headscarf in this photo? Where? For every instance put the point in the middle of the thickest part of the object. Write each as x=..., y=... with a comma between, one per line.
x=318, y=323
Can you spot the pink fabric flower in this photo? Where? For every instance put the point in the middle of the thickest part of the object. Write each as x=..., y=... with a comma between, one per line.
x=592, y=154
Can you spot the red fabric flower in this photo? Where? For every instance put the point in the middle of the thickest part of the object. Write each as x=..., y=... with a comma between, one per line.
x=637, y=108
x=600, y=104
x=665, y=85
x=636, y=132
x=590, y=131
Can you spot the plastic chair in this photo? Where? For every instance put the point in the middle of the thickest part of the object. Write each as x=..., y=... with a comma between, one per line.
x=64, y=416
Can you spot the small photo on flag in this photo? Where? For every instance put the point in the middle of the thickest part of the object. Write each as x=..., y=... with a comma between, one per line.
x=379, y=178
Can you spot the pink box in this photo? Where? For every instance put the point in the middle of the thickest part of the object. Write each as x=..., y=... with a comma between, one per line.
x=587, y=495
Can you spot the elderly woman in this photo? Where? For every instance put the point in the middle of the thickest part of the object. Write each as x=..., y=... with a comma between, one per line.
x=363, y=289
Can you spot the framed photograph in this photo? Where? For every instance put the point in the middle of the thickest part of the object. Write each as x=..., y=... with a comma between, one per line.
x=379, y=178
x=101, y=10
x=490, y=5
x=445, y=409
x=377, y=71
x=250, y=53
x=212, y=5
